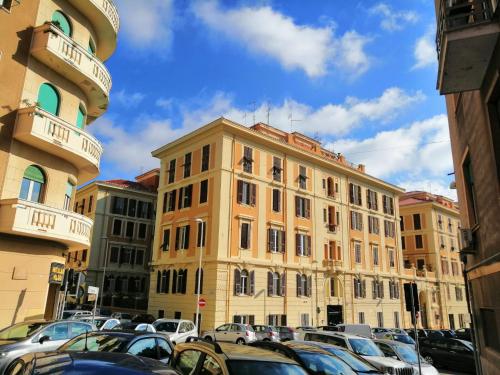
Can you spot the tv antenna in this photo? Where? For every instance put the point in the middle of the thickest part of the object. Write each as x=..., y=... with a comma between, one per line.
x=253, y=103
x=268, y=111
x=292, y=120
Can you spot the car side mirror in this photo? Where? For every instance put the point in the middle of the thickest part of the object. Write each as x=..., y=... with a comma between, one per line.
x=394, y=356
x=42, y=339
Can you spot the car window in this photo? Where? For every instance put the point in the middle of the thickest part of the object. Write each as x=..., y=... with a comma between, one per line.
x=386, y=349
x=166, y=326
x=144, y=348
x=164, y=348
x=210, y=366
x=339, y=341
x=110, y=324
x=189, y=326
x=440, y=344
x=457, y=346
x=183, y=327
x=355, y=362
x=223, y=328
x=365, y=347
x=57, y=331
x=234, y=328
x=187, y=360
x=20, y=330
x=324, y=364
x=263, y=367
x=95, y=343
x=78, y=329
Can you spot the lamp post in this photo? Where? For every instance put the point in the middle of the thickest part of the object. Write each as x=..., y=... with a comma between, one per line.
x=202, y=227
x=104, y=269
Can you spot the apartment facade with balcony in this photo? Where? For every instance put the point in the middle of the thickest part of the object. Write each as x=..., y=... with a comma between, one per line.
x=430, y=238
x=292, y=233
x=54, y=84
x=117, y=261
x=469, y=61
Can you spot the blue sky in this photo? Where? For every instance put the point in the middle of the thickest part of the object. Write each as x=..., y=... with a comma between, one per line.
x=358, y=75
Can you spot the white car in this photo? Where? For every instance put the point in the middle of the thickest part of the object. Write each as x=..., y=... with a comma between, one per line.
x=177, y=330
x=232, y=332
x=101, y=322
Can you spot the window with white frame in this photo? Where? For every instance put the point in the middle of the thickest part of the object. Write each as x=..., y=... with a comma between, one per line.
x=356, y=220
x=244, y=282
x=276, y=240
x=247, y=160
x=302, y=244
x=361, y=317
x=182, y=237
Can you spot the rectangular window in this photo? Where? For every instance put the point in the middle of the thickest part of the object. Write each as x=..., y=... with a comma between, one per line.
x=117, y=227
x=357, y=252
x=129, y=229
x=132, y=206
x=332, y=219
x=68, y=195
x=392, y=262
x=246, y=193
x=200, y=240
x=144, y=209
x=302, y=244
x=389, y=229
x=84, y=255
x=187, y=165
x=125, y=255
x=372, y=199
x=403, y=243
x=139, y=257
x=165, y=246
x=169, y=199
x=171, y=171
x=141, y=232
x=440, y=222
x=380, y=318
x=82, y=207
x=203, y=191
x=355, y=194
x=373, y=225
x=185, y=196
x=302, y=177
x=114, y=254
x=6, y=4
x=356, y=220
x=119, y=205
x=247, y=159
x=205, y=158
x=245, y=235
x=388, y=204
x=182, y=237
x=361, y=317
x=450, y=226
x=276, y=200
x=302, y=207
x=91, y=203
x=416, y=222
x=277, y=169
x=418, y=241
x=276, y=240
x=401, y=223
x=304, y=320
x=375, y=256
x=420, y=264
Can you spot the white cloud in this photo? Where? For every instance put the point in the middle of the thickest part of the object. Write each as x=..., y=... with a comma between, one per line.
x=147, y=25
x=164, y=103
x=128, y=99
x=266, y=31
x=425, y=50
x=417, y=152
x=393, y=20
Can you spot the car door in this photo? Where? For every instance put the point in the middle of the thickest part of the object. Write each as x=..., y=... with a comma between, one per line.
x=221, y=333
x=145, y=347
x=56, y=334
x=182, y=332
x=186, y=362
x=462, y=356
x=210, y=366
x=236, y=331
x=164, y=350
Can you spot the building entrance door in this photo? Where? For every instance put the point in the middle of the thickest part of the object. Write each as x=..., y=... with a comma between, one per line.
x=334, y=314
x=51, y=303
x=452, y=321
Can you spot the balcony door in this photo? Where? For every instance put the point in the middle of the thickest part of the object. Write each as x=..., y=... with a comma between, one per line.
x=48, y=99
x=33, y=184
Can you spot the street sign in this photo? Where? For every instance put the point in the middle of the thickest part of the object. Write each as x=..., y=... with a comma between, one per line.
x=93, y=290
x=202, y=302
x=56, y=273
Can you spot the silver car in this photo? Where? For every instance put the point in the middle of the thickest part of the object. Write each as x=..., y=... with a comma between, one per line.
x=232, y=332
x=266, y=333
x=405, y=353
x=36, y=336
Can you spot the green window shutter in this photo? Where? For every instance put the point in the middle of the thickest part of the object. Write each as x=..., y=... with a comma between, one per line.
x=62, y=22
x=69, y=189
x=91, y=47
x=80, y=118
x=35, y=174
x=48, y=99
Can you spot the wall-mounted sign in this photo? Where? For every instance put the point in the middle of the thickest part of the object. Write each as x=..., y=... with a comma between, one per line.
x=56, y=274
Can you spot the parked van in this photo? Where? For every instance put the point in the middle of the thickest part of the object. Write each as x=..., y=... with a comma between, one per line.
x=356, y=329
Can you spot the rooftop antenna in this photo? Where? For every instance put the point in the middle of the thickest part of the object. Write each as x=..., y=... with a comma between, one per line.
x=253, y=103
x=268, y=111
x=292, y=120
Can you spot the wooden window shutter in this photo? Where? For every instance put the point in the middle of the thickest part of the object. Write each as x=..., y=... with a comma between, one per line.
x=186, y=243
x=158, y=282
x=308, y=208
x=184, y=281
x=189, y=195
x=351, y=193
x=239, y=193
x=308, y=245
x=165, y=200
x=283, y=284
x=297, y=206
x=269, y=283
x=282, y=240
x=181, y=197
x=252, y=283
x=363, y=288
x=167, y=282
x=237, y=282
x=368, y=198
x=309, y=286
x=355, y=286
x=173, y=200
x=381, y=289
x=374, y=290
x=359, y=196
x=297, y=243
x=253, y=194
x=177, y=237
x=174, y=282
x=269, y=240
x=326, y=252
x=299, y=286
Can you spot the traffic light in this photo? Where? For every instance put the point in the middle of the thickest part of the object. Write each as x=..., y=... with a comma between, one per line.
x=411, y=288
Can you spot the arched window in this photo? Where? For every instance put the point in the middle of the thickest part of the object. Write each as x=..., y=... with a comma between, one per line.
x=33, y=184
x=62, y=22
x=48, y=99
x=196, y=281
x=81, y=117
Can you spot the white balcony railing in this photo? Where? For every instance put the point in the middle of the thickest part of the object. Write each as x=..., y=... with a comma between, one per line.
x=45, y=131
x=37, y=220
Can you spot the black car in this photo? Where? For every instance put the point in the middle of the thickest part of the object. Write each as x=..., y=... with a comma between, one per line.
x=449, y=333
x=149, y=345
x=463, y=334
x=452, y=353
x=312, y=358
x=422, y=333
x=143, y=318
x=86, y=363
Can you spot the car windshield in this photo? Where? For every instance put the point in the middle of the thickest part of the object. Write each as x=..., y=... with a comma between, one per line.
x=407, y=354
x=96, y=343
x=404, y=339
x=21, y=330
x=263, y=367
x=468, y=344
x=365, y=347
x=166, y=326
x=356, y=363
x=67, y=314
x=324, y=364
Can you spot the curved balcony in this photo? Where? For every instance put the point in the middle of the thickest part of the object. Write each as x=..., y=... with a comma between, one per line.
x=103, y=16
x=25, y=218
x=49, y=133
x=72, y=61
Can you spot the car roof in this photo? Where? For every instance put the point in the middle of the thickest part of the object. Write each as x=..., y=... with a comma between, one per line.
x=305, y=346
x=171, y=320
x=390, y=342
x=339, y=334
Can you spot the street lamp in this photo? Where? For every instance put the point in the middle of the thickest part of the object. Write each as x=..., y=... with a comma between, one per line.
x=104, y=269
x=200, y=221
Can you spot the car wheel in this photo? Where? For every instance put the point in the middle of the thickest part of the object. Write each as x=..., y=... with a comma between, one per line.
x=207, y=338
x=240, y=341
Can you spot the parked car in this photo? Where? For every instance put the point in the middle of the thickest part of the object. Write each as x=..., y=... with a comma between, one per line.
x=422, y=333
x=196, y=357
x=143, y=318
x=356, y=329
x=232, y=332
x=357, y=364
x=287, y=333
x=327, y=328
x=449, y=333
x=363, y=347
x=266, y=333
x=453, y=353
x=177, y=330
x=134, y=327
x=143, y=344
x=405, y=339
x=434, y=333
x=36, y=336
x=463, y=334
x=380, y=332
x=405, y=354
x=122, y=317
x=312, y=358
x=400, y=331
x=101, y=322
x=86, y=363
x=75, y=314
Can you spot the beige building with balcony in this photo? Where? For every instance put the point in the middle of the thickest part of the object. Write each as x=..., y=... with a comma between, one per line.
x=53, y=85
x=430, y=238
x=293, y=234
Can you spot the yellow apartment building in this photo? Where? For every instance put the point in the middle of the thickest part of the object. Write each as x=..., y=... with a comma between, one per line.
x=293, y=233
x=53, y=84
x=430, y=238
x=117, y=261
